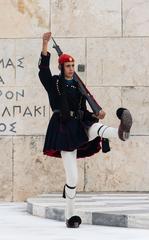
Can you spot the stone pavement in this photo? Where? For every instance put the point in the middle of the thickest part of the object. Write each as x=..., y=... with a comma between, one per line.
x=17, y=224
x=109, y=209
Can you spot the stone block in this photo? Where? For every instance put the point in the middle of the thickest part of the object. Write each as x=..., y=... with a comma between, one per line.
x=24, y=111
x=137, y=100
x=117, y=62
x=136, y=18
x=124, y=168
x=87, y=18
x=6, y=166
x=24, y=18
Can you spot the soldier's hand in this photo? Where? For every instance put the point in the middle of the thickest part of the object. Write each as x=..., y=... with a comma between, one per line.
x=100, y=115
x=46, y=37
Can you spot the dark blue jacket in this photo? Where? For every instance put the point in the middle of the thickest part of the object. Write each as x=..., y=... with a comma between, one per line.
x=51, y=84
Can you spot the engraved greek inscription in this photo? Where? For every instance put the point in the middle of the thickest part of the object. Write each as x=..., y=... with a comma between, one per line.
x=1, y=80
x=9, y=127
x=10, y=63
x=9, y=95
x=20, y=62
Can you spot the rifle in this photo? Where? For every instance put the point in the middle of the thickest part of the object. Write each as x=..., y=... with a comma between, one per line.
x=92, y=102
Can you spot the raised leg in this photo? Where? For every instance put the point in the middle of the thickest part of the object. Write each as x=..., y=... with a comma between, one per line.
x=122, y=132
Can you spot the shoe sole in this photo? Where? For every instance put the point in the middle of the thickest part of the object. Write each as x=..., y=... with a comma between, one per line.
x=125, y=125
x=76, y=225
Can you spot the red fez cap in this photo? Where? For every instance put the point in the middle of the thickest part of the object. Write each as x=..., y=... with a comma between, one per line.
x=65, y=58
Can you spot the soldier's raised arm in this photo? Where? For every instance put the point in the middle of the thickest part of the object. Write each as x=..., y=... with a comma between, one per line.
x=44, y=61
x=46, y=38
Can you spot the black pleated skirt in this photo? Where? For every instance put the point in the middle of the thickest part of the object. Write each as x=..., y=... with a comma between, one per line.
x=69, y=136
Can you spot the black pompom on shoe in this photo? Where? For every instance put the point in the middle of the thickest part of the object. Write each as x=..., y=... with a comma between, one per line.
x=119, y=112
x=125, y=123
x=73, y=222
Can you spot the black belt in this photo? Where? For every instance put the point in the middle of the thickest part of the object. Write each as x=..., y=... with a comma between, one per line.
x=78, y=114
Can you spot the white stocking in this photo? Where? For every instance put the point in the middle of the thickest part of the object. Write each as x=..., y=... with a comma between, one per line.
x=71, y=171
x=98, y=129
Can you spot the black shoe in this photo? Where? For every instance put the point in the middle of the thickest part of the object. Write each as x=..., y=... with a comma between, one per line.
x=73, y=222
x=126, y=122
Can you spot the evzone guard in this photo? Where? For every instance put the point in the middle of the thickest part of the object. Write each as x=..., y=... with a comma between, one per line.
x=73, y=131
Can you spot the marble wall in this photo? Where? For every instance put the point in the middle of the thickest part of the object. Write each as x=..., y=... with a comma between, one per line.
x=111, y=38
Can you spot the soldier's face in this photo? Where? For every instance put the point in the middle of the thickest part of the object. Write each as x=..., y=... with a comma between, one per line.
x=69, y=68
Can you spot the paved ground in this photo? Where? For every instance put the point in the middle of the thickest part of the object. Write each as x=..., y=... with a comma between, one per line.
x=17, y=224
x=119, y=209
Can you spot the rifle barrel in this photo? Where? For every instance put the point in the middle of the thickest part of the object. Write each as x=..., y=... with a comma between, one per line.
x=53, y=40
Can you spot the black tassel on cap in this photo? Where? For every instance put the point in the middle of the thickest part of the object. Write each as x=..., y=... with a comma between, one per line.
x=64, y=105
x=105, y=145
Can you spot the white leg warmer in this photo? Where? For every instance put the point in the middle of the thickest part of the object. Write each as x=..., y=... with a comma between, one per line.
x=71, y=171
x=98, y=129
